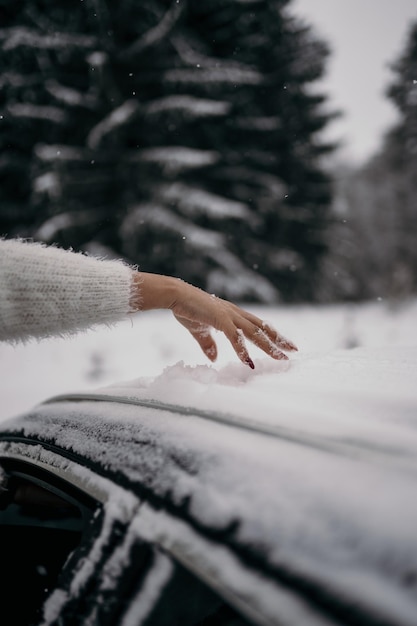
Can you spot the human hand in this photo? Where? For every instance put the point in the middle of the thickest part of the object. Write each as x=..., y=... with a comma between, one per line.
x=199, y=311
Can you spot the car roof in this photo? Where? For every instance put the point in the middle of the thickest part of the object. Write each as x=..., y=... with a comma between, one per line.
x=311, y=510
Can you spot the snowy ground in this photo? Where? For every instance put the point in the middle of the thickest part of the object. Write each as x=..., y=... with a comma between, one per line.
x=356, y=356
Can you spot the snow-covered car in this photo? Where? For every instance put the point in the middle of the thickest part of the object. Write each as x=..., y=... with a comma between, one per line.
x=117, y=509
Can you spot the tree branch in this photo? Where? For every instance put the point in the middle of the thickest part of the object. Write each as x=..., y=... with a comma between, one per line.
x=154, y=35
x=12, y=38
x=116, y=119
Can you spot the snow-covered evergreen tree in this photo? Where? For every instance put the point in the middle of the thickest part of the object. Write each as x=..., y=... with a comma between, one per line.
x=181, y=134
x=372, y=242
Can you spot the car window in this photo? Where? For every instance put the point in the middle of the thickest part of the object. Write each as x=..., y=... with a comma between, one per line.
x=42, y=521
x=187, y=601
x=170, y=595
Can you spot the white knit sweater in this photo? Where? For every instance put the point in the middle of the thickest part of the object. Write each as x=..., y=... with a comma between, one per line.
x=47, y=291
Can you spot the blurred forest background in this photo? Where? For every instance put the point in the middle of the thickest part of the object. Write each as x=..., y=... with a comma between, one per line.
x=184, y=136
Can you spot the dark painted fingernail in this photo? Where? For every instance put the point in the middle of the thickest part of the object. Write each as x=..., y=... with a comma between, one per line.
x=250, y=363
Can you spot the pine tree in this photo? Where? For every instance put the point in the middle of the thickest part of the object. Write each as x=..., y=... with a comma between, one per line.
x=402, y=139
x=181, y=134
x=373, y=252
x=392, y=174
x=397, y=165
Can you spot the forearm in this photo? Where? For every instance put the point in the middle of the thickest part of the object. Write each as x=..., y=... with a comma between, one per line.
x=47, y=291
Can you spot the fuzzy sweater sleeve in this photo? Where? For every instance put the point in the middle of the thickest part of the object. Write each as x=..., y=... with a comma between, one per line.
x=46, y=291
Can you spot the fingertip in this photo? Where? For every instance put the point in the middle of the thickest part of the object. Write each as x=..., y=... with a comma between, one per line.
x=211, y=353
x=277, y=339
x=290, y=348
x=286, y=344
x=249, y=362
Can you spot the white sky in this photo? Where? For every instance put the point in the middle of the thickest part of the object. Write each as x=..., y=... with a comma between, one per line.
x=365, y=37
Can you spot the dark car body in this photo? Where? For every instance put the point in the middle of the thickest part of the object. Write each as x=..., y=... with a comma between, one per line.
x=115, y=509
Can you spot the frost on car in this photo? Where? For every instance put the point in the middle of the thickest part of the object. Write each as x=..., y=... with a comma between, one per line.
x=175, y=515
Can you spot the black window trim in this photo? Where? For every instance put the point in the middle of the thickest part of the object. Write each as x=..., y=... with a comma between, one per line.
x=66, y=478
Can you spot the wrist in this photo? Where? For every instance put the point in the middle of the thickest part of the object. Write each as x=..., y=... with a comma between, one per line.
x=153, y=291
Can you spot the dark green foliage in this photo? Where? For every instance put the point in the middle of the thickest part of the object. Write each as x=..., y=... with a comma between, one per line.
x=180, y=134
x=395, y=171
x=401, y=142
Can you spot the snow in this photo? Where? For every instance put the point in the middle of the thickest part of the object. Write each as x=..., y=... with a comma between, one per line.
x=145, y=600
x=194, y=201
x=190, y=105
x=52, y=226
x=56, y=152
x=232, y=277
x=49, y=113
x=120, y=116
x=69, y=96
x=19, y=36
x=257, y=595
x=177, y=158
x=344, y=409
x=354, y=361
x=152, y=213
x=232, y=74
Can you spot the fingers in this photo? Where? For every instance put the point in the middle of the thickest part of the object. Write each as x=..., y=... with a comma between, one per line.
x=263, y=341
x=201, y=334
x=277, y=339
x=199, y=312
x=259, y=333
x=206, y=342
x=236, y=338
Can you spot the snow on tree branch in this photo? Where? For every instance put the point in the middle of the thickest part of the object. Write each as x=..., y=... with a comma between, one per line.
x=230, y=276
x=191, y=105
x=47, y=183
x=193, y=201
x=154, y=35
x=153, y=214
x=117, y=118
x=21, y=36
x=58, y=152
x=35, y=111
x=237, y=282
x=51, y=228
x=195, y=58
x=16, y=80
x=201, y=107
x=225, y=74
x=71, y=97
x=274, y=185
x=174, y=159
